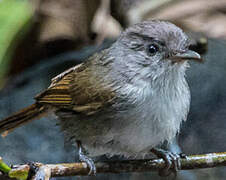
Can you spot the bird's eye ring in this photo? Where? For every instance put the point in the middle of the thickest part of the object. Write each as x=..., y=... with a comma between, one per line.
x=152, y=49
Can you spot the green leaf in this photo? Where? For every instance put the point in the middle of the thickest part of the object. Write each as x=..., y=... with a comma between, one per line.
x=15, y=15
x=4, y=167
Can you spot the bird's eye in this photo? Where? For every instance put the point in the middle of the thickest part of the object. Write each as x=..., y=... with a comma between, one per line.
x=152, y=49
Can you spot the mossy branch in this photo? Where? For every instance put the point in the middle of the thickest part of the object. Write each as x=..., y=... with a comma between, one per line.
x=145, y=165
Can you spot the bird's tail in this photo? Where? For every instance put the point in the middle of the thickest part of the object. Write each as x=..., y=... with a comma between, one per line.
x=23, y=116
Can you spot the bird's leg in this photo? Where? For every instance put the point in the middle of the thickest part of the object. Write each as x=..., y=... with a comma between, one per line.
x=172, y=161
x=86, y=159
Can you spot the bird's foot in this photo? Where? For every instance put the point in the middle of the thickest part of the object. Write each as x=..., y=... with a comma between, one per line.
x=33, y=169
x=172, y=161
x=86, y=159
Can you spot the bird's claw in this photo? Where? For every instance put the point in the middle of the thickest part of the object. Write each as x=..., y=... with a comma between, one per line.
x=33, y=169
x=172, y=161
x=89, y=162
x=182, y=155
x=86, y=159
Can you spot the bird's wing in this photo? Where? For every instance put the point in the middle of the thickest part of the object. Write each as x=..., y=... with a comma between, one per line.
x=58, y=92
x=77, y=89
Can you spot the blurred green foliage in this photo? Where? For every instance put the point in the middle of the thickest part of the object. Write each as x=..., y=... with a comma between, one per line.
x=4, y=167
x=15, y=20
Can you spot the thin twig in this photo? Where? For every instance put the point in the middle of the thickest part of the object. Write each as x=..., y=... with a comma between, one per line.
x=145, y=165
x=43, y=173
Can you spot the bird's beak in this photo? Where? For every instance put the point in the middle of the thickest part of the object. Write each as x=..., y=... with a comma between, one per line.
x=187, y=55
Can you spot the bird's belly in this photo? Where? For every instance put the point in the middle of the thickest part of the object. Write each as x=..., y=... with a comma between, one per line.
x=129, y=131
x=126, y=134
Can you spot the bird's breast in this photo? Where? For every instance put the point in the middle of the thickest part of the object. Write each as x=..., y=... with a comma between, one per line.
x=141, y=117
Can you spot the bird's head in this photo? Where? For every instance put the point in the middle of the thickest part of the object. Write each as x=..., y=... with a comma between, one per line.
x=153, y=48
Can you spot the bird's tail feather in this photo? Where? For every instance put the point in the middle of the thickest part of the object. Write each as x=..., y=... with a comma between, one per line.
x=23, y=116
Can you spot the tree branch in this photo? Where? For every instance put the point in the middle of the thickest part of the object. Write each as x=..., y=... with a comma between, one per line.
x=145, y=165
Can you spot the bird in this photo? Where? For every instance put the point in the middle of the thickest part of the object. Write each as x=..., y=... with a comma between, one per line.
x=125, y=100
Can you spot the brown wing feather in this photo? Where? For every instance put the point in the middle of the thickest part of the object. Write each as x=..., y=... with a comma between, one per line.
x=78, y=89
x=58, y=93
